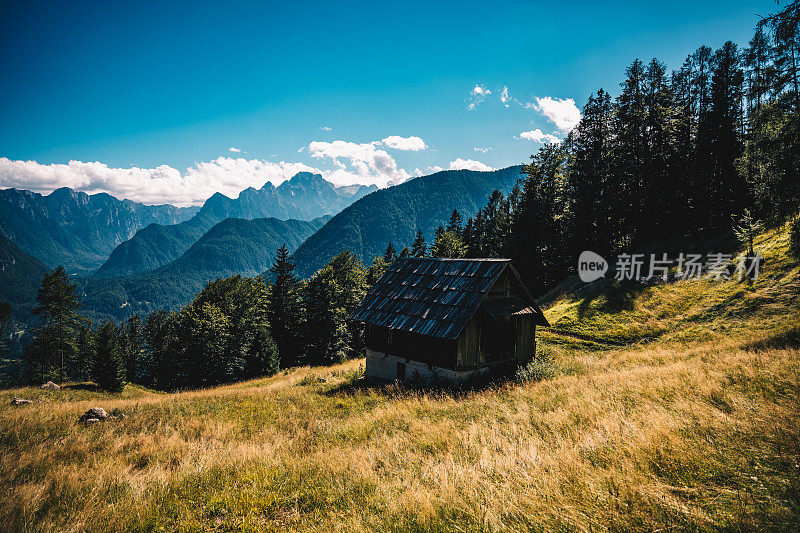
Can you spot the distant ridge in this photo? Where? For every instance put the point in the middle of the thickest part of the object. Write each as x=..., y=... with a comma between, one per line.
x=75, y=229
x=20, y=278
x=233, y=246
x=304, y=197
x=395, y=214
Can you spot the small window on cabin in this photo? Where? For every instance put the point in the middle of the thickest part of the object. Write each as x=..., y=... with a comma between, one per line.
x=401, y=371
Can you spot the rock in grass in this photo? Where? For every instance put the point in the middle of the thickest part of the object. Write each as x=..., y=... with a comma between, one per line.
x=50, y=385
x=95, y=413
x=19, y=401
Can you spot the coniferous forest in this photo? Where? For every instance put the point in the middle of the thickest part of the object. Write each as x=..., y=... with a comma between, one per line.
x=667, y=156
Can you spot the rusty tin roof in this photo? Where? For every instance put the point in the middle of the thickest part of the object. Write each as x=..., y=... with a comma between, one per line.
x=437, y=297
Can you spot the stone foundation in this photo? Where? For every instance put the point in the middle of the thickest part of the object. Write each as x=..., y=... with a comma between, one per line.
x=390, y=368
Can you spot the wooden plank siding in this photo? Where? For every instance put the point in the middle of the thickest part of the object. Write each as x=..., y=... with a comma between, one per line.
x=458, y=315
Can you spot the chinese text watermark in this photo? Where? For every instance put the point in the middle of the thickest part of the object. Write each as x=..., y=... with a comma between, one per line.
x=716, y=266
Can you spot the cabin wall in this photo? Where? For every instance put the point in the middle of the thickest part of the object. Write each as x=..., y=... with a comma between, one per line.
x=489, y=340
x=526, y=338
x=421, y=348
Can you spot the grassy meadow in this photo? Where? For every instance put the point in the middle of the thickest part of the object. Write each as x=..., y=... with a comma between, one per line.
x=692, y=423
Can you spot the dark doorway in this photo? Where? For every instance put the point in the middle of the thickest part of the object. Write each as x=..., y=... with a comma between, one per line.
x=401, y=371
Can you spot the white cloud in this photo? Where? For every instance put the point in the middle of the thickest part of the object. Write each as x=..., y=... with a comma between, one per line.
x=504, y=96
x=368, y=164
x=348, y=163
x=404, y=143
x=324, y=128
x=468, y=164
x=561, y=112
x=477, y=95
x=159, y=185
x=235, y=150
x=539, y=136
x=482, y=149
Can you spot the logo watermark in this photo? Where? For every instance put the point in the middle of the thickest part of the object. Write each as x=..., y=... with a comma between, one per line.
x=643, y=267
x=591, y=266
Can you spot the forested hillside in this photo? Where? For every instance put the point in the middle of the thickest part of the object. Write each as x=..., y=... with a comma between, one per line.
x=75, y=229
x=20, y=278
x=233, y=246
x=397, y=213
x=304, y=197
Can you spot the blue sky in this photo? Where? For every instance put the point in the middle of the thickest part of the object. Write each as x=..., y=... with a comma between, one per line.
x=175, y=85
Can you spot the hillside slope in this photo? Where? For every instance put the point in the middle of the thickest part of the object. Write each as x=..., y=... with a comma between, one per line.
x=154, y=246
x=394, y=214
x=74, y=229
x=233, y=246
x=304, y=197
x=20, y=278
x=697, y=429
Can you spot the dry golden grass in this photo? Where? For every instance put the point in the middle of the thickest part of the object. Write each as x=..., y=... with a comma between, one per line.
x=697, y=431
x=647, y=438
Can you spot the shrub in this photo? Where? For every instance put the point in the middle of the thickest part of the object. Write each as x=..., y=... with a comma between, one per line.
x=539, y=368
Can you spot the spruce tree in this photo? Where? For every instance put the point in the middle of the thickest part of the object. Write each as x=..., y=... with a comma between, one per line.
x=454, y=225
x=390, y=254
x=419, y=248
x=108, y=369
x=284, y=312
x=58, y=305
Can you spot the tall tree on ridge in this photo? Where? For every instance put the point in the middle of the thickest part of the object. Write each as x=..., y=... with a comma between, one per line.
x=419, y=248
x=284, y=311
x=58, y=305
x=390, y=254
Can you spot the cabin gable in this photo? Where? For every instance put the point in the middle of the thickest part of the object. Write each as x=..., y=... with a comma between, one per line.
x=447, y=318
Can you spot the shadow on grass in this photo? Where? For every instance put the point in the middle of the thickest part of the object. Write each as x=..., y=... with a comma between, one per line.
x=785, y=339
x=619, y=296
x=414, y=387
x=90, y=387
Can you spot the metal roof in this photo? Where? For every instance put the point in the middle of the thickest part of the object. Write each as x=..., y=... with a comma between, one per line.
x=435, y=297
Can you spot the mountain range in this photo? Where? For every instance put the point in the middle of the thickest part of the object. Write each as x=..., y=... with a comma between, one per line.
x=395, y=214
x=75, y=229
x=163, y=265
x=304, y=197
x=233, y=246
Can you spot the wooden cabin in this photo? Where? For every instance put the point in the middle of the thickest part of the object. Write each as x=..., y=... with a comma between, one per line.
x=449, y=319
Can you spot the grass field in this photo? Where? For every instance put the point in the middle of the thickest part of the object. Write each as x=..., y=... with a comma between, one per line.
x=693, y=424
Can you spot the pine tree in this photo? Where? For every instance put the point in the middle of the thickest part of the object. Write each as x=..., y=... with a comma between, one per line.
x=263, y=356
x=134, y=348
x=284, y=311
x=329, y=297
x=405, y=252
x=85, y=358
x=390, y=254
x=58, y=304
x=419, y=248
x=108, y=369
x=746, y=228
x=456, y=220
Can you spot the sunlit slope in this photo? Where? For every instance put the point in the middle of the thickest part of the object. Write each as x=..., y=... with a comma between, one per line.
x=698, y=428
x=687, y=310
